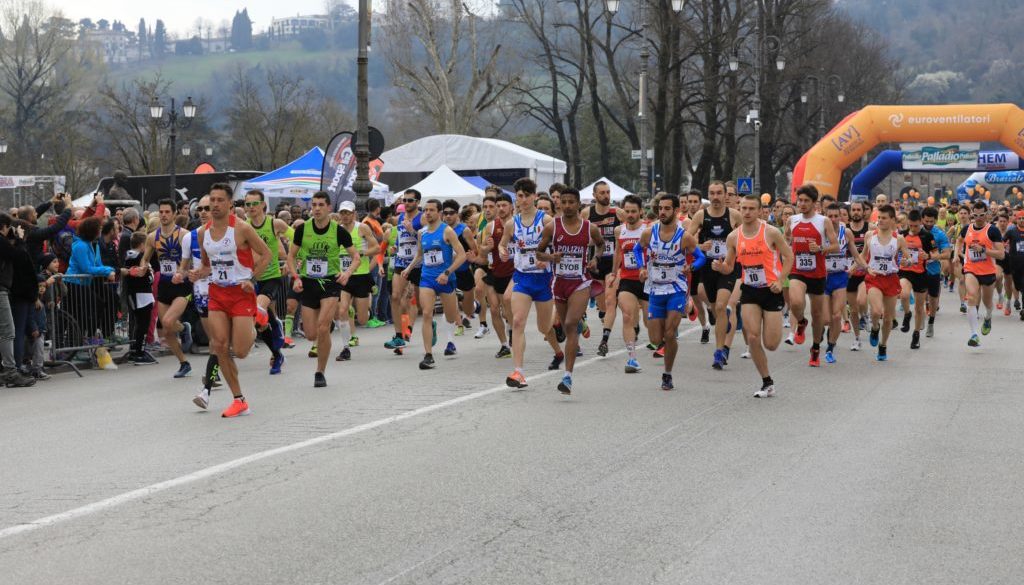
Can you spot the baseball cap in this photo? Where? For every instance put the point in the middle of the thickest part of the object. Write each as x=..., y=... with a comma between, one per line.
x=347, y=206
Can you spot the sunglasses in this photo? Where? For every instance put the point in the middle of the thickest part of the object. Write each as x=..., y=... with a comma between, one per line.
x=408, y=201
x=449, y=212
x=253, y=203
x=202, y=208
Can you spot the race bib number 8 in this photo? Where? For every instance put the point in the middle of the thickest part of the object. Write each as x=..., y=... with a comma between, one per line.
x=806, y=262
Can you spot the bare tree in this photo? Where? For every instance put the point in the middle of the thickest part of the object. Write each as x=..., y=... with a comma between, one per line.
x=128, y=138
x=443, y=67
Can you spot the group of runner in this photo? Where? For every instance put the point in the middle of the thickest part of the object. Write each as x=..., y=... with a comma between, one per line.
x=831, y=267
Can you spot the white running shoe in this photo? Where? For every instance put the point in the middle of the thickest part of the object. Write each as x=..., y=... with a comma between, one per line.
x=202, y=400
x=745, y=355
x=790, y=339
x=785, y=321
x=765, y=392
x=484, y=330
x=855, y=346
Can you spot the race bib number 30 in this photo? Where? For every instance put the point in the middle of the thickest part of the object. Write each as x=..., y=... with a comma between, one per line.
x=168, y=267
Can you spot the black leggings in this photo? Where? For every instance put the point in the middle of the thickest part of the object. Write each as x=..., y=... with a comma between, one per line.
x=140, y=327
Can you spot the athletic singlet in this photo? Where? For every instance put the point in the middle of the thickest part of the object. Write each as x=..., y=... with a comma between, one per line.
x=406, y=241
x=978, y=263
x=628, y=268
x=760, y=263
x=573, y=248
x=666, y=263
x=526, y=239
x=915, y=246
x=266, y=233
x=437, y=253
x=858, y=240
x=229, y=265
x=883, y=256
x=715, y=230
x=190, y=242
x=500, y=268
x=803, y=232
x=460, y=229
x=840, y=261
x=168, y=252
x=359, y=243
x=606, y=222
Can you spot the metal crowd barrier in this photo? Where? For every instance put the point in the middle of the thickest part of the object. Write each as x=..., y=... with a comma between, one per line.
x=91, y=315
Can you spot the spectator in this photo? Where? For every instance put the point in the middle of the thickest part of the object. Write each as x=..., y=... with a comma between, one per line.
x=36, y=236
x=108, y=245
x=138, y=291
x=10, y=376
x=63, y=239
x=23, y=295
x=85, y=271
x=130, y=224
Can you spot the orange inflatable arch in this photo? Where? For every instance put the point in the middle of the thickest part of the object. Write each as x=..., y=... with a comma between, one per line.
x=823, y=165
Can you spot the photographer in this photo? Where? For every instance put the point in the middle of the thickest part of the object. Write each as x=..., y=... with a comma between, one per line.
x=11, y=377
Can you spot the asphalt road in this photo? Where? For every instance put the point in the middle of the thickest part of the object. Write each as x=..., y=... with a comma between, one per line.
x=860, y=472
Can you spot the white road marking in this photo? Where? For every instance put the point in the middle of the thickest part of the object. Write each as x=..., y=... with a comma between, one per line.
x=215, y=470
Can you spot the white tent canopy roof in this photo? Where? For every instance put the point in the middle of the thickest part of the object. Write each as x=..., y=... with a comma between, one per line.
x=466, y=153
x=445, y=184
x=587, y=193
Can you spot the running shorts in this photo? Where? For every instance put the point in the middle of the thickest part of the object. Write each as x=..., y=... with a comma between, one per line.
x=763, y=297
x=537, y=286
x=888, y=284
x=633, y=287
x=272, y=288
x=232, y=300
x=565, y=287
x=815, y=286
x=315, y=290
x=836, y=281
x=359, y=286
x=658, y=306
x=464, y=280
x=918, y=280
x=167, y=291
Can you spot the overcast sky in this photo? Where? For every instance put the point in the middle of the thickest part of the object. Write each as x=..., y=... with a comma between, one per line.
x=180, y=15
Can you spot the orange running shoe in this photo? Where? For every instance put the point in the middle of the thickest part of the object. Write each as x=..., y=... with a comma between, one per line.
x=1006, y=310
x=515, y=380
x=239, y=407
x=846, y=326
x=801, y=329
x=261, y=318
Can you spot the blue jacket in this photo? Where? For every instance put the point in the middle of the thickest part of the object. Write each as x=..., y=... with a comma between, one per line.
x=85, y=259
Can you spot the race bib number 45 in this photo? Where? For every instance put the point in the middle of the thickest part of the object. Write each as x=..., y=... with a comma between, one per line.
x=316, y=267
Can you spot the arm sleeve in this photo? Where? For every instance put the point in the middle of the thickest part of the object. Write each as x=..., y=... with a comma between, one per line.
x=638, y=255
x=297, y=236
x=994, y=235
x=698, y=259
x=344, y=238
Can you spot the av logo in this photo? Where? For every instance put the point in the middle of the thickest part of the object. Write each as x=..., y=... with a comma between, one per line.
x=847, y=139
x=896, y=120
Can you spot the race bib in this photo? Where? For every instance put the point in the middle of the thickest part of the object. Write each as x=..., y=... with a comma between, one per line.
x=836, y=263
x=222, y=271
x=316, y=267
x=806, y=262
x=570, y=266
x=526, y=259
x=407, y=251
x=717, y=250
x=975, y=255
x=629, y=261
x=168, y=267
x=661, y=274
x=915, y=256
x=346, y=261
x=882, y=264
x=391, y=263
x=754, y=276
x=433, y=258
x=1020, y=247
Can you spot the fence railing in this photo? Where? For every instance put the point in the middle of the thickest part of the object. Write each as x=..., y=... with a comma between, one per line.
x=90, y=315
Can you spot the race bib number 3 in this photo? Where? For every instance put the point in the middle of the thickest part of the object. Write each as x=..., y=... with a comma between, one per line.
x=806, y=262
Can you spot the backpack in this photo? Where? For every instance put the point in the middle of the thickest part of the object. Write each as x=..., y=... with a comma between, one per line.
x=61, y=244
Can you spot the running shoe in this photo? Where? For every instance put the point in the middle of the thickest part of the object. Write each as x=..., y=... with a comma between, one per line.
x=830, y=357
x=319, y=380
x=906, y=322
x=874, y=338
x=483, y=330
x=974, y=341
x=556, y=362
x=185, y=337
x=815, y=361
x=449, y=350
x=602, y=349
x=238, y=407
x=515, y=380
x=705, y=335
x=855, y=346
x=895, y=324
x=719, y=362
x=929, y=330
x=40, y=374
x=846, y=326
x=353, y=341
x=583, y=329
x=863, y=323
x=801, y=330
x=1016, y=304
x=427, y=363
x=789, y=339
x=1006, y=310
x=666, y=382
x=651, y=346
x=12, y=378
x=466, y=322
x=393, y=343
x=288, y=343
x=986, y=326
x=579, y=352
x=633, y=367
x=963, y=308
x=692, y=314
x=202, y=399
x=559, y=333
x=184, y=370
x=745, y=355
x=344, y=355
x=725, y=355
x=999, y=305
x=312, y=351
x=765, y=392
x=565, y=386
x=660, y=352
x=460, y=330
x=881, y=355
x=504, y=352
x=275, y=366
x=915, y=340
x=143, y=358
x=375, y=323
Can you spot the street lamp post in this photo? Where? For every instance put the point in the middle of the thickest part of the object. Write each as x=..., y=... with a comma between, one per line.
x=762, y=44
x=362, y=184
x=611, y=7
x=156, y=112
x=834, y=84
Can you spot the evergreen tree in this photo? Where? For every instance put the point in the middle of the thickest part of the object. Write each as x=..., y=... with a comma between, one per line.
x=159, y=39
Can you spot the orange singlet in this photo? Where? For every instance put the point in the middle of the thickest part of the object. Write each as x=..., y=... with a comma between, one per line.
x=760, y=263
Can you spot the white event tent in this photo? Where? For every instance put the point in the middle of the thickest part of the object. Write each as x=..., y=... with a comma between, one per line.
x=443, y=184
x=618, y=193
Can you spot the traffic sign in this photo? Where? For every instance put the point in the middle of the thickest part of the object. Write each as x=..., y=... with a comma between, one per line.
x=635, y=154
x=745, y=185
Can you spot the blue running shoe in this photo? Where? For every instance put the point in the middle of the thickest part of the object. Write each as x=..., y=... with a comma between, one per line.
x=633, y=367
x=719, y=359
x=449, y=350
x=393, y=343
x=275, y=368
x=874, y=338
x=565, y=386
x=184, y=370
x=830, y=358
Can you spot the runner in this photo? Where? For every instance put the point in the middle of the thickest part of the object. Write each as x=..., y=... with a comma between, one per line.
x=838, y=266
x=319, y=278
x=630, y=295
x=665, y=269
x=712, y=226
x=606, y=217
x=482, y=269
x=464, y=280
x=569, y=238
x=981, y=244
x=440, y=253
x=695, y=203
x=164, y=254
x=532, y=278
x=409, y=223
x=1004, y=278
x=1014, y=246
x=929, y=218
x=499, y=274
x=765, y=258
x=269, y=285
x=359, y=287
x=913, y=276
x=193, y=260
x=856, y=292
x=228, y=248
x=885, y=250
x=812, y=236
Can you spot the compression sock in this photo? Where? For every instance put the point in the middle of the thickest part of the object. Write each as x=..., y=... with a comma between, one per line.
x=212, y=369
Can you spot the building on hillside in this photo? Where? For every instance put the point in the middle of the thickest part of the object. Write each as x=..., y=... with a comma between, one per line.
x=215, y=45
x=112, y=46
x=294, y=25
